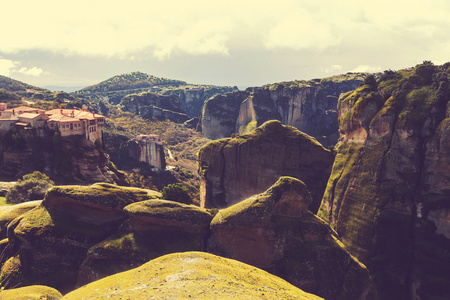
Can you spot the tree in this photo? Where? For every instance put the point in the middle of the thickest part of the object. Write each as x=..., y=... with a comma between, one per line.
x=32, y=187
x=176, y=192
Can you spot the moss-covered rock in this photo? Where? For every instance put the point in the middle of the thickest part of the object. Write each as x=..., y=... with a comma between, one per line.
x=156, y=228
x=388, y=193
x=50, y=242
x=276, y=232
x=236, y=168
x=148, y=215
x=191, y=275
x=97, y=203
x=9, y=213
x=34, y=292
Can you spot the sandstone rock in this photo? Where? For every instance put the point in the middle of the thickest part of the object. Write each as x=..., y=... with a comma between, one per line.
x=191, y=275
x=219, y=114
x=310, y=106
x=100, y=203
x=166, y=215
x=48, y=244
x=388, y=194
x=276, y=232
x=9, y=213
x=34, y=292
x=149, y=105
x=236, y=168
x=157, y=227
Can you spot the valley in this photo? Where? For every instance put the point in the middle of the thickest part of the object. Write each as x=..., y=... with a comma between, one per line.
x=331, y=188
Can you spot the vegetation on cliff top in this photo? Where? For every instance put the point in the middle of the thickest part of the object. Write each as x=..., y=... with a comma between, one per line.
x=132, y=80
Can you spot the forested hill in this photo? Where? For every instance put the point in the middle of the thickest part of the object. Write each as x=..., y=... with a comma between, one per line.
x=134, y=80
x=12, y=85
x=114, y=89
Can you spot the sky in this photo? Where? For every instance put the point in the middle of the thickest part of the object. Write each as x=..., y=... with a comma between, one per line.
x=236, y=43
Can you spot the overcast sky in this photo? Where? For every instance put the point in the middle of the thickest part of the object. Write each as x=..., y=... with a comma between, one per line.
x=243, y=43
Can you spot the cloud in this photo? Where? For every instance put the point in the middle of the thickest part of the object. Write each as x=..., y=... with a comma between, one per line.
x=367, y=68
x=332, y=69
x=34, y=71
x=6, y=66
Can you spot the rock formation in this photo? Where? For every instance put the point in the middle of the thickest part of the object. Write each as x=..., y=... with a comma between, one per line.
x=33, y=292
x=236, y=168
x=388, y=195
x=310, y=106
x=66, y=160
x=220, y=113
x=151, y=105
x=276, y=232
x=154, y=228
x=47, y=244
x=191, y=275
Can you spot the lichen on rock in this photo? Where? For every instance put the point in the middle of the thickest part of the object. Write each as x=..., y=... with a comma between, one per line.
x=191, y=275
x=276, y=232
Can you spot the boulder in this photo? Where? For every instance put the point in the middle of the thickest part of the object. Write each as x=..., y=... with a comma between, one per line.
x=9, y=213
x=47, y=244
x=156, y=228
x=275, y=231
x=388, y=195
x=33, y=292
x=191, y=275
x=236, y=168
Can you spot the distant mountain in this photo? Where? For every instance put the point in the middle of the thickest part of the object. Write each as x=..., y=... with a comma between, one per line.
x=134, y=80
x=67, y=89
x=117, y=88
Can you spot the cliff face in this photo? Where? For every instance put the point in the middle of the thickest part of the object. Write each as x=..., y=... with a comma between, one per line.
x=310, y=106
x=149, y=105
x=66, y=159
x=276, y=232
x=235, y=168
x=388, y=195
x=220, y=113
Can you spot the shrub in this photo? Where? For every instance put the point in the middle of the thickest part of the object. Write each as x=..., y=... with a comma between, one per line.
x=176, y=192
x=32, y=187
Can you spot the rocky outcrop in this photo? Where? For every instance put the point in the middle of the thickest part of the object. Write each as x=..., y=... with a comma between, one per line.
x=191, y=275
x=34, y=292
x=148, y=149
x=47, y=244
x=151, y=105
x=310, y=106
x=388, y=195
x=219, y=114
x=234, y=169
x=276, y=232
x=154, y=228
x=68, y=159
x=9, y=213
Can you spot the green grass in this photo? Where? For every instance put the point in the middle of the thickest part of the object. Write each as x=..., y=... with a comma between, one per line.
x=3, y=202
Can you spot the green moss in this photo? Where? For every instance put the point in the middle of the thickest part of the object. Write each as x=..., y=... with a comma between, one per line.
x=101, y=194
x=191, y=275
x=248, y=127
x=169, y=210
x=33, y=292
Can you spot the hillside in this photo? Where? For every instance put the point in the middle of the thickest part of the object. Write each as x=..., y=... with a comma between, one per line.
x=134, y=80
x=12, y=85
x=114, y=89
